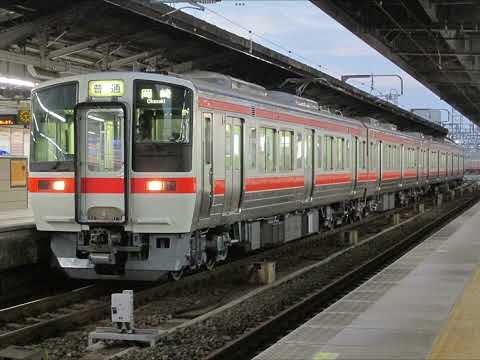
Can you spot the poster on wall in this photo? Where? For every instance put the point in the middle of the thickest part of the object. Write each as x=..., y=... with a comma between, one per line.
x=4, y=141
x=16, y=142
x=26, y=142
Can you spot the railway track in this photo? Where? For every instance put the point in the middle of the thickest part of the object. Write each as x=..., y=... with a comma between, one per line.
x=47, y=316
x=265, y=333
x=58, y=318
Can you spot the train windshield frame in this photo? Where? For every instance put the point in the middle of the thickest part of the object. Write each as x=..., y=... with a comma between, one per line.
x=162, y=127
x=53, y=128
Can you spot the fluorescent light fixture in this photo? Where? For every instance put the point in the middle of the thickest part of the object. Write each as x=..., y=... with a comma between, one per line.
x=17, y=82
x=96, y=118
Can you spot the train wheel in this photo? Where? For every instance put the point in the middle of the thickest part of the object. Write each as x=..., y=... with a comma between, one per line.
x=176, y=275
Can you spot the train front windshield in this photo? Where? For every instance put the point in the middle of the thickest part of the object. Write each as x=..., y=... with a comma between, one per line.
x=52, y=145
x=162, y=130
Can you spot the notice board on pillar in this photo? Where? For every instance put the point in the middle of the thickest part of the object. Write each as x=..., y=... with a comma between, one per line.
x=18, y=173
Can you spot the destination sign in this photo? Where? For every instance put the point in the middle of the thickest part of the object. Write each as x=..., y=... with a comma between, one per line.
x=106, y=88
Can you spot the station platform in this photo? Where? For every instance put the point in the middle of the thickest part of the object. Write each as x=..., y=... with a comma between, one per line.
x=16, y=219
x=423, y=306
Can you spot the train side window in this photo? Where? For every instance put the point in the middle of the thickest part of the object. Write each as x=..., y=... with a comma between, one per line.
x=281, y=150
x=394, y=163
x=252, y=148
x=228, y=147
x=269, y=150
x=261, y=150
x=328, y=153
x=319, y=151
x=334, y=153
x=360, y=154
x=347, y=154
x=371, y=157
x=309, y=151
x=288, y=145
x=386, y=156
x=207, y=122
x=363, y=155
x=393, y=160
x=285, y=158
x=340, y=153
x=237, y=147
x=299, y=155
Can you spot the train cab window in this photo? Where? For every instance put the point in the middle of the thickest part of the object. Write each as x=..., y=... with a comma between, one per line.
x=299, y=152
x=162, y=136
x=269, y=150
x=52, y=141
x=285, y=156
x=252, y=148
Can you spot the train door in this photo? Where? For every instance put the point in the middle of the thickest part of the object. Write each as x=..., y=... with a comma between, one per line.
x=100, y=172
x=309, y=161
x=233, y=163
x=207, y=159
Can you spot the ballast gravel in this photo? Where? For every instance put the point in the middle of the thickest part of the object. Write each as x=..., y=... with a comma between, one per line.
x=199, y=340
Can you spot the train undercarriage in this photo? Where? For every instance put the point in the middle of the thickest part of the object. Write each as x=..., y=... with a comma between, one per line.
x=110, y=253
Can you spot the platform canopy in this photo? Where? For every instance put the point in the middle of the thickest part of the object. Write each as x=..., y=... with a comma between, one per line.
x=48, y=39
x=435, y=41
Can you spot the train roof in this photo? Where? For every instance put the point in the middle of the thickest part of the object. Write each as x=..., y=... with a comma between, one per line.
x=229, y=86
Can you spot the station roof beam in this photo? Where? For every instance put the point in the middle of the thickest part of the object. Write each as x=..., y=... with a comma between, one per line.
x=140, y=34
x=437, y=42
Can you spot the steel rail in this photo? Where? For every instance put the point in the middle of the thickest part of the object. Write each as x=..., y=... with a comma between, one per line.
x=89, y=312
x=244, y=347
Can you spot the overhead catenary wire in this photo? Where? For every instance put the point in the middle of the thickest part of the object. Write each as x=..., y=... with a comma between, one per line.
x=379, y=5
x=290, y=52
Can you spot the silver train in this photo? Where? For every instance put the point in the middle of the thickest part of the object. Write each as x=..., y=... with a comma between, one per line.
x=139, y=175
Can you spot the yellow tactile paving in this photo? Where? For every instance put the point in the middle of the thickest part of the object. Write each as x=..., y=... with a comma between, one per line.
x=460, y=337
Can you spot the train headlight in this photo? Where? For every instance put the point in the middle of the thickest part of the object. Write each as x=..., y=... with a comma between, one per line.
x=161, y=186
x=155, y=185
x=58, y=185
